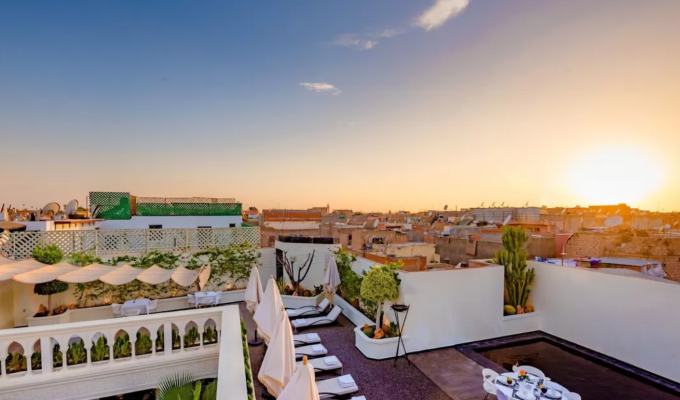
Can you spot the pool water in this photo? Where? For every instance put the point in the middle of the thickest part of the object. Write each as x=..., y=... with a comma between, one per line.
x=587, y=378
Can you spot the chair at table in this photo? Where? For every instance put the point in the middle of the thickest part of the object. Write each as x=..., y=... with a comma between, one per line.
x=489, y=378
x=501, y=395
x=152, y=306
x=529, y=370
x=572, y=396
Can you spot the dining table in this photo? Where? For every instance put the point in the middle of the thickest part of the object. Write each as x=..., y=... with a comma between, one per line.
x=529, y=390
x=130, y=307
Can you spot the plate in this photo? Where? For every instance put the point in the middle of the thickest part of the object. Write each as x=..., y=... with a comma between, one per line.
x=553, y=394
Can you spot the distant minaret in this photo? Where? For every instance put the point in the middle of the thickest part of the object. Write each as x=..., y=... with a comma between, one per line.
x=328, y=208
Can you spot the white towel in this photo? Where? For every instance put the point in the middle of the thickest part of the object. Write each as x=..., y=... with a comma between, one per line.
x=317, y=348
x=359, y=398
x=301, y=322
x=312, y=336
x=332, y=360
x=346, y=381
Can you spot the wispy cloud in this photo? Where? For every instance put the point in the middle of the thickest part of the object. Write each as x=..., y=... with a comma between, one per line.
x=345, y=123
x=354, y=40
x=321, y=87
x=440, y=12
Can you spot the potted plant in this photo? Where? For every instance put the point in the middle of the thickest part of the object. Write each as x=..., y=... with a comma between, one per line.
x=49, y=255
x=143, y=345
x=76, y=353
x=122, y=347
x=518, y=279
x=191, y=338
x=100, y=350
x=380, y=284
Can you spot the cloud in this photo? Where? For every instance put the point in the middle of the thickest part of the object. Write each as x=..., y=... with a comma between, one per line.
x=388, y=33
x=321, y=87
x=440, y=12
x=354, y=40
x=345, y=123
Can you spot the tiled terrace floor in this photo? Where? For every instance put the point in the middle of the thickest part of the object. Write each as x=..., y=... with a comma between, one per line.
x=377, y=380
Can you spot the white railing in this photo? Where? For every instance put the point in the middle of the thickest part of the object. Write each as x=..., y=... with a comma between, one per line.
x=41, y=340
x=112, y=242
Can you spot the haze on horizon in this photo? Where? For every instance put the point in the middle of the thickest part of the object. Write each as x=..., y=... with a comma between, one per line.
x=368, y=105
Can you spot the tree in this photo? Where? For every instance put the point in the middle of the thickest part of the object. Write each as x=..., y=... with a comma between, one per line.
x=50, y=288
x=518, y=278
x=289, y=267
x=381, y=284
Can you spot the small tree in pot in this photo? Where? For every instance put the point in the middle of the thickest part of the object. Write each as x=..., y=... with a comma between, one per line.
x=381, y=284
x=49, y=255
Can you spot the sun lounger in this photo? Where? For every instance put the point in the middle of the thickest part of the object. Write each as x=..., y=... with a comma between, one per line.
x=333, y=388
x=332, y=317
x=324, y=364
x=306, y=338
x=308, y=311
x=315, y=350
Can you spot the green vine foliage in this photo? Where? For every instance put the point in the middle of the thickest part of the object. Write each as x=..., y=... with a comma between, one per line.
x=99, y=350
x=350, y=281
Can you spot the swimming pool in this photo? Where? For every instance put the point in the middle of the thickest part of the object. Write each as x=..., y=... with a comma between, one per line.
x=590, y=374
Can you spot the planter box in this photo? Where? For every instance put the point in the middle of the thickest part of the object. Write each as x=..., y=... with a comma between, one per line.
x=377, y=349
x=352, y=314
x=298, y=301
x=521, y=323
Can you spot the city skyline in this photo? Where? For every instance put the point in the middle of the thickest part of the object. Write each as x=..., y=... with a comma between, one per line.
x=366, y=106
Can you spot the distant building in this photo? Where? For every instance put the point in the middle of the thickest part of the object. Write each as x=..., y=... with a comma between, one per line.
x=291, y=219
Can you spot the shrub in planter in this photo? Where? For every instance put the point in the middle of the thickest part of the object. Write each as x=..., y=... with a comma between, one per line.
x=99, y=350
x=191, y=337
x=160, y=340
x=122, y=347
x=518, y=279
x=47, y=254
x=176, y=343
x=36, y=361
x=210, y=335
x=380, y=284
x=143, y=345
x=48, y=289
x=76, y=353
x=57, y=356
x=15, y=362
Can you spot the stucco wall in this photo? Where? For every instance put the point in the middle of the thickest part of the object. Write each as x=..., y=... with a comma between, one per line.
x=179, y=222
x=453, y=249
x=323, y=253
x=6, y=305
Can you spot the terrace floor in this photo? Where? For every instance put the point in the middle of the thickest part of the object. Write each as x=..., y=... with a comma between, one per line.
x=377, y=380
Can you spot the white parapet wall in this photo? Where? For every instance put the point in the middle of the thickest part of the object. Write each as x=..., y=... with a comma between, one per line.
x=322, y=254
x=112, y=377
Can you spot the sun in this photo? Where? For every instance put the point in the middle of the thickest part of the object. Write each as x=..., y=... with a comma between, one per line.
x=616, y=175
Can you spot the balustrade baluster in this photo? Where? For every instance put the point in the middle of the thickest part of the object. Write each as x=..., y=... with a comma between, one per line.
x=46, y=357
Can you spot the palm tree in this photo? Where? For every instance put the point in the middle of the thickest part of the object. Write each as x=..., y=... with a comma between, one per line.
x=183, y=386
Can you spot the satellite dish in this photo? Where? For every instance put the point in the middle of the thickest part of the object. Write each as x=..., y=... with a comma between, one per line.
x=617, y=210
x=375, y=223
x=72, y=207
x=53, y=207
x=613, y=221
x=446, y=207
x=581, y=219
x=493, y=204
x=482, y=205
x=676, y=222
x=507, y=219
x=667, y=226
x=526, y=205
x=564, y=211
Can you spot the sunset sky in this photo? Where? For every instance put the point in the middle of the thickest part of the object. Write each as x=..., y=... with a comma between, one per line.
x=363, y=104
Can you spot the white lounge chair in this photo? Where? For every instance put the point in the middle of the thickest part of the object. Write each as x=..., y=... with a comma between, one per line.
x=322, y=364
x=153, y=304
x=308, y=311
x=116, y=310
x=332, y=317
x=315, y=350
x=306, y=338
x=330, y=388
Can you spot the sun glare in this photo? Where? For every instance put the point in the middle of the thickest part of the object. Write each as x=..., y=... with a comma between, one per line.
x=616, y=175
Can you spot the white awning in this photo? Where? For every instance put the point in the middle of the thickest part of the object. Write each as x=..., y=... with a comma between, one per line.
x=8, y=271
x=86, y=274
x=184, y=277
x=45, y=274
x=121, y=275
x=155, y=275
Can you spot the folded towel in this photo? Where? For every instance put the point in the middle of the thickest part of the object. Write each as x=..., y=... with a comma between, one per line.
x=312, y=336
x=346, y=381
x=297, y=322
x=317, y=348
x=332, y=360
x=359, y=398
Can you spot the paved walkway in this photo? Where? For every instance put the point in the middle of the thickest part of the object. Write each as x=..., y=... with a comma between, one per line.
x=377, y=380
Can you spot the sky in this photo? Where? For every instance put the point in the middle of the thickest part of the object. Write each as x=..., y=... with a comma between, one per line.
x=360, y=104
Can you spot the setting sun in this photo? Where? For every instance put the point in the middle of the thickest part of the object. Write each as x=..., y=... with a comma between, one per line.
x=616, y=175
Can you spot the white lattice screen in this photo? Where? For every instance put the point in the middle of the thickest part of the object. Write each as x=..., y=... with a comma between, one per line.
x=20, y=245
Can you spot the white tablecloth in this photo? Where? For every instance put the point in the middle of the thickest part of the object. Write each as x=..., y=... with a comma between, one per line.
x=139, y=304
x=508, y=390
x=205, y=298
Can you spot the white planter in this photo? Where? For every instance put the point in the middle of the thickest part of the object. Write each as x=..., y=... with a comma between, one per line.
x=352, y=313
x=521, y=323
x=377, y=349
x=300, y=301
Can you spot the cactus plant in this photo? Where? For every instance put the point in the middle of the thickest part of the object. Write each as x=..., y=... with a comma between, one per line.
x=518, y=279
